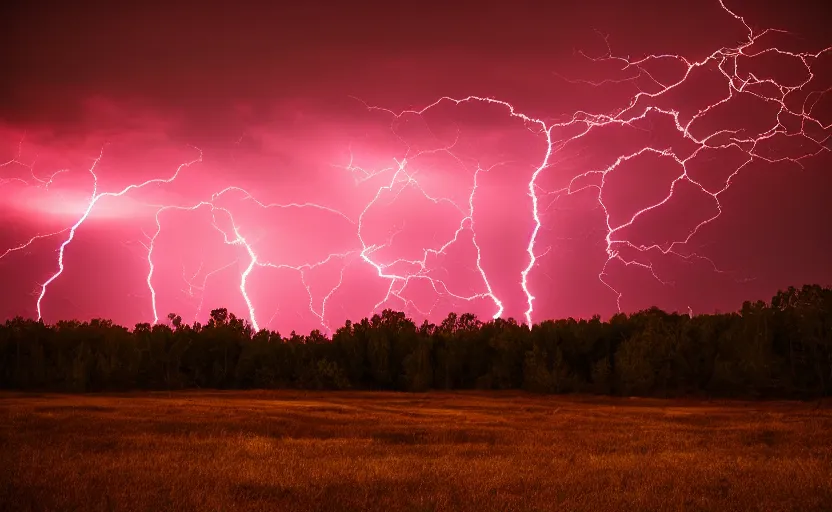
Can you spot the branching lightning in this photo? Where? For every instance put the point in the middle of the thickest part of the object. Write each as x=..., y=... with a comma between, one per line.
x=399, y=273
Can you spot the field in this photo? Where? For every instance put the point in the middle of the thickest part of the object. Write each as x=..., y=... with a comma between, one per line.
x=286, y=451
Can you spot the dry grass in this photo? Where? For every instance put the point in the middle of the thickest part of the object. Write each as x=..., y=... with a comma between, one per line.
x=285, y=451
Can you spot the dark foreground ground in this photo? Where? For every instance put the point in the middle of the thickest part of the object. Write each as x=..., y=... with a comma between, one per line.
x=286, y=451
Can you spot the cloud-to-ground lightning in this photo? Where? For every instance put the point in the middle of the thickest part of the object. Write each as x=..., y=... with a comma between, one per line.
x=795, y=119
x=93, y=200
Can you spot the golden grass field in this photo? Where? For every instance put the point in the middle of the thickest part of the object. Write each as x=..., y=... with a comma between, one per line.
x=287, y=451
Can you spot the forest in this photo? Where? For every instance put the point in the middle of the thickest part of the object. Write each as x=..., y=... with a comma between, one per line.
x=776, y=349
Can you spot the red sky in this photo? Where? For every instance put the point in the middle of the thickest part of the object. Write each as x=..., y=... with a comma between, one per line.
x=321, y=195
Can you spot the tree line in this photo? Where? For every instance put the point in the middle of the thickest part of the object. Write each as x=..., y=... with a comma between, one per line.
x=781, y=348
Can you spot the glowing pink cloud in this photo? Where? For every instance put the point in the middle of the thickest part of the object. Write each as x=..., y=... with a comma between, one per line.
x=454, y=205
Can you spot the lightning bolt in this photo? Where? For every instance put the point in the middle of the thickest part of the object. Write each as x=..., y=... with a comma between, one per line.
x=726, y=62
x=94, y=199
x=387, y=184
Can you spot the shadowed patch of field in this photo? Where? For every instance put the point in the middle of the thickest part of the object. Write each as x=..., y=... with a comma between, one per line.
x=293, y=451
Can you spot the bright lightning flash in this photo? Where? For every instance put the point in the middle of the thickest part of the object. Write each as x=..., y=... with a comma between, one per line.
x=795, y=119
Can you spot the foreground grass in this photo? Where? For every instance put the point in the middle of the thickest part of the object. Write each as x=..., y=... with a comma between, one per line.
x=286, y=451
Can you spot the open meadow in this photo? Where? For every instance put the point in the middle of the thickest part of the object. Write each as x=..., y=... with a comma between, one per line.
x=292, y=451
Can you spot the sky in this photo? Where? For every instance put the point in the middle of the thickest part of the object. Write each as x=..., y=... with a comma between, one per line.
x=306, y=164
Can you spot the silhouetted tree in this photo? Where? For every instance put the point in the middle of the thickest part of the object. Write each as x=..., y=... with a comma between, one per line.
x=782, y=348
